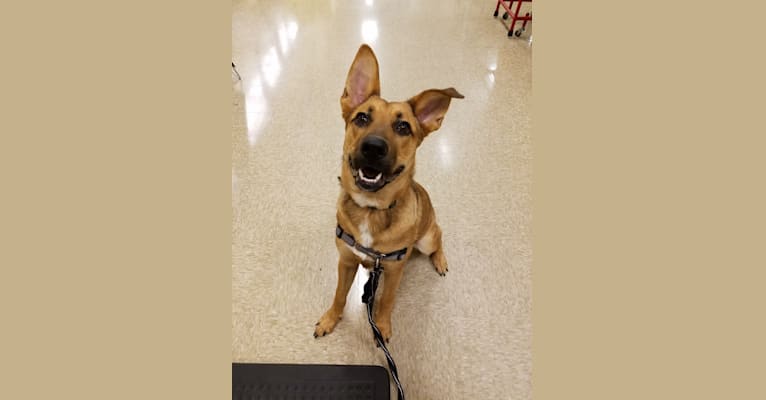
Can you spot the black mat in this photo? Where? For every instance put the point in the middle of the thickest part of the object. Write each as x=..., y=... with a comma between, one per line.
x=308, y=382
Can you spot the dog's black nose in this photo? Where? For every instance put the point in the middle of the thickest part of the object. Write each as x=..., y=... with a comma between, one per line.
x=374, y=148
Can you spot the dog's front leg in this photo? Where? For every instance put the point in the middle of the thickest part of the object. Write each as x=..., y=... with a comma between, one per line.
x=392, y=275
x=346, y=273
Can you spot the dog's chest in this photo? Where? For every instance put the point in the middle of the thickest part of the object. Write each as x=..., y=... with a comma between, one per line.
x=381, y=230
x=370, y=227
x=365, y=236
x=365, y=239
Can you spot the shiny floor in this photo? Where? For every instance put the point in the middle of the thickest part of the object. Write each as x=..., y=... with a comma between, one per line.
x=466, y=336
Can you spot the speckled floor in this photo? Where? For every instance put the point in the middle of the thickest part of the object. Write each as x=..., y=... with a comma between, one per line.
x=465, y=336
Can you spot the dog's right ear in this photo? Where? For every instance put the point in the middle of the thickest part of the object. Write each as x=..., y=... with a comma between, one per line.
x=362, y=82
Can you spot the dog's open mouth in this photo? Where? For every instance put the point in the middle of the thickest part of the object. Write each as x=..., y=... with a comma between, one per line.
x=369, y=179
x=372, y=179
x=370, y=175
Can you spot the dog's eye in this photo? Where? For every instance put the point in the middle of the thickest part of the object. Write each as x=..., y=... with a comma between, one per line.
x=361, y=120
x=402, y=128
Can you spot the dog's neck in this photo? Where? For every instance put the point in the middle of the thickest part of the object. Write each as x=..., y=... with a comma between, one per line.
x=364, y=200
x=385, y=199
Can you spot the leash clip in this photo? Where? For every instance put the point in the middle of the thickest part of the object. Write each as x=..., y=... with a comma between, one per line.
x=378, y=266
x=371, y=286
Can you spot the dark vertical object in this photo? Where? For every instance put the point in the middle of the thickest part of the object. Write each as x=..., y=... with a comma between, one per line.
x=234, y=68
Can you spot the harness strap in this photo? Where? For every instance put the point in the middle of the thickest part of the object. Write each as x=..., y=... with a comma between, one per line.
x=349, y=240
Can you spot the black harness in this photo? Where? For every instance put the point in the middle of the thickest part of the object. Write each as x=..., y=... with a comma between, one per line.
x=368, y=297
x=349, y=240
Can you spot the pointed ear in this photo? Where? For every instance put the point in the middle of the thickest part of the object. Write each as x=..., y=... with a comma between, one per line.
x=431, y=106
x=362, y=82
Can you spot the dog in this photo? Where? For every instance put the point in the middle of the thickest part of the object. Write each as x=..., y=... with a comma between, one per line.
x=380, y=205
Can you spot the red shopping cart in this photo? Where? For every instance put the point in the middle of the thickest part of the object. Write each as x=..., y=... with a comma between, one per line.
x=514, y=15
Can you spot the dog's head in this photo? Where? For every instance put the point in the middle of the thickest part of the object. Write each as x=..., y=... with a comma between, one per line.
x=382, y=136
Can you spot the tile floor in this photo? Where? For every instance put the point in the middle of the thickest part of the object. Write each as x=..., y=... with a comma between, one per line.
x=466, y=336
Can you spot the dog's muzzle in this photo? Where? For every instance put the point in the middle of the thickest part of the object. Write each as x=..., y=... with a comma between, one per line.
x=371, y=177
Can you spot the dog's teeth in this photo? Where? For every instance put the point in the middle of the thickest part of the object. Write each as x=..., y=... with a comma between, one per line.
x=369, y=180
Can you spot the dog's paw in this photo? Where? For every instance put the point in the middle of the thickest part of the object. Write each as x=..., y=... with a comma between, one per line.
x=439, y=262
x=384, y=326
x=326, y=324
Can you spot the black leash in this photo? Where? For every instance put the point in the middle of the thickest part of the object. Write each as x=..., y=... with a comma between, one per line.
x=368, y=297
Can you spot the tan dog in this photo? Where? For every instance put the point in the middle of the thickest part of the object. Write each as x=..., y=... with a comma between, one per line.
x=380, y=203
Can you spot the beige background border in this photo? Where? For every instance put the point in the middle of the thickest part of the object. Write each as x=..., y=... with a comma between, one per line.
x=648, y=201
x=649, y=221
x=116, y=201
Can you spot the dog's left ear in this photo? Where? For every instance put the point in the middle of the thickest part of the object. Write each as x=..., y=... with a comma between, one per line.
x=430, y=107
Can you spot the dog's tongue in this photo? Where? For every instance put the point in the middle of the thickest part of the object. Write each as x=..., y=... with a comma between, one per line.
x=369, y=172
